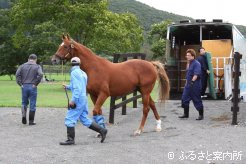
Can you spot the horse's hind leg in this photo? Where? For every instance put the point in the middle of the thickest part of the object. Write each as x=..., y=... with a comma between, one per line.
x=145, y=99
x=157, y=117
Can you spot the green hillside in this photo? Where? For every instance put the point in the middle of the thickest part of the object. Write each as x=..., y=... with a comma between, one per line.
x=146, y=14
x=149, y=15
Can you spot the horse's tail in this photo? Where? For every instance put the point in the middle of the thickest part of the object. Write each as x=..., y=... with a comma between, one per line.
x=164, y=86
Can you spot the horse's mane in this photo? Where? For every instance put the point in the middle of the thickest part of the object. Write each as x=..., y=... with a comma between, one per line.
x=84, y=48
x=88, y=51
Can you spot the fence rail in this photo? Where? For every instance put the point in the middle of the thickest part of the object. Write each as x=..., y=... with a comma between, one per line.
x=55, y=72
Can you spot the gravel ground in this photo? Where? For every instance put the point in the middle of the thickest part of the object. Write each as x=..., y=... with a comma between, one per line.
x=212, y=140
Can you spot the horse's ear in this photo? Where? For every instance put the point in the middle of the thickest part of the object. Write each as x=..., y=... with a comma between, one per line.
x=63, y=37
x=68, y=37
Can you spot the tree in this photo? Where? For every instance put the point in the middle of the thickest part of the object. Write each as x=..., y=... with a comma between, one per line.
x=39, y=23
x=36, y=26
x=157, y=38
x=8, y=56
x=35, y=29
x=116, y=33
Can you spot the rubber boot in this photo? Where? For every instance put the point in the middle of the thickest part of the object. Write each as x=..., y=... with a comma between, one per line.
x=31, y=117
x=23, y=111
x=186, y=113
x=70, y=136
x=103, y=132
x=200, y=117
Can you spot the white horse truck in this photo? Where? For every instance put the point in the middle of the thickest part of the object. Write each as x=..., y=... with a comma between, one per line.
x=218, y=38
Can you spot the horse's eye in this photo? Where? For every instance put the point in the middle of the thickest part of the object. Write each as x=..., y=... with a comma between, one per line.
x=65, y=46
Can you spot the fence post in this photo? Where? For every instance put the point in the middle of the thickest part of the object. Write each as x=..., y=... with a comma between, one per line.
x=116, y=58
x=123, y=112
x=236, y=90
x=135, y=101
x=111, y=110
x=113, y=99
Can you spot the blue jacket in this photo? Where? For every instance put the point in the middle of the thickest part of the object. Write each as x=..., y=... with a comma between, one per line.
x=194, y=69
x=77, y=84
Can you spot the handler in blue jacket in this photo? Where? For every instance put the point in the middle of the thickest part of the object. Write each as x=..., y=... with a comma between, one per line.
x=78, y=104
x=192, y=89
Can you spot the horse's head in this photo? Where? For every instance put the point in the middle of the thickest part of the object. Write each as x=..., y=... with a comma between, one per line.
x=65, y=50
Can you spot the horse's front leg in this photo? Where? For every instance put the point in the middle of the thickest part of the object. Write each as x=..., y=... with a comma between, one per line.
x=98, y=104
x=94, y=100
x=97, y=111
x=145, y=114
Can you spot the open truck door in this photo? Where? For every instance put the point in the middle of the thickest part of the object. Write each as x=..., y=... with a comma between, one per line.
x=219, y=39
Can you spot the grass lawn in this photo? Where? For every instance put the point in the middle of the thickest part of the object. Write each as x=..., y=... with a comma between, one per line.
x=50, y=94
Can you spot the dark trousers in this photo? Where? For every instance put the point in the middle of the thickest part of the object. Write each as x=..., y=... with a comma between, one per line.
x=29, y=93
x=192, y=93
x=204, y=81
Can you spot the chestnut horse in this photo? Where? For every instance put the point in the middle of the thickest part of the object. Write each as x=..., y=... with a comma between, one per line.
x=116, y=79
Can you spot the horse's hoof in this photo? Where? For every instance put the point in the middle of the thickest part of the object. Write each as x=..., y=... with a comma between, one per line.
x=158, y=126
x=98, y=135
x=137, y=132
x=158, y=129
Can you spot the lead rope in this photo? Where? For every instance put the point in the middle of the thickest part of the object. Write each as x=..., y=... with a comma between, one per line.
x=62, y=72
x=67, y=98
x=63, y=82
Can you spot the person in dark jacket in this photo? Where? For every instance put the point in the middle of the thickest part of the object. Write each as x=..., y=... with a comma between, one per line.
x=192, y=89
x=28, y=76
x=204, y=69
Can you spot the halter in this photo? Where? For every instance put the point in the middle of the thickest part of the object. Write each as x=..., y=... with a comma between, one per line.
x=69, y=51
x=63, y=59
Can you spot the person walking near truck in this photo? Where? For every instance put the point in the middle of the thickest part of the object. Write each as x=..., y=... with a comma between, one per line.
x=204, y=69
x=192, y=89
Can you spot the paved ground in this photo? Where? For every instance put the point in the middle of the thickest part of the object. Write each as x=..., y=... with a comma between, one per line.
x=213, y=140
